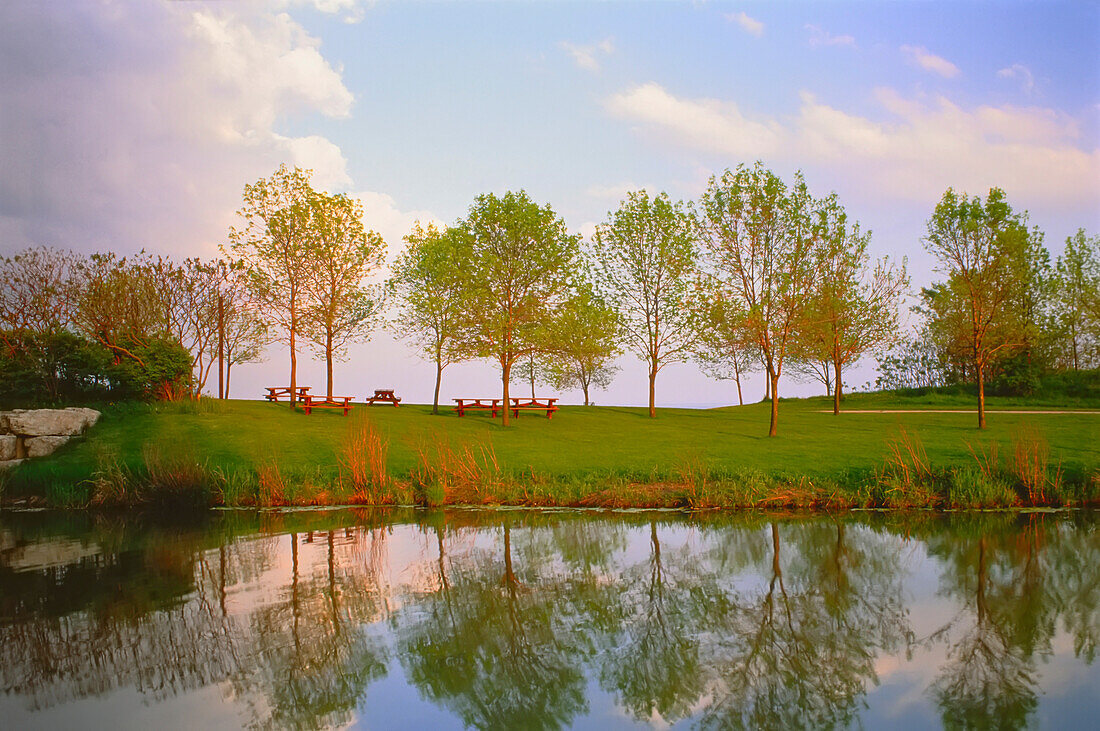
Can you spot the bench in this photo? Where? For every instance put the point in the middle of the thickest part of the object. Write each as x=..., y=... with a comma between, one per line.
x=466, y=404
x=534, y=404
x=384, y=395
x=336, y=402
x=274, y=393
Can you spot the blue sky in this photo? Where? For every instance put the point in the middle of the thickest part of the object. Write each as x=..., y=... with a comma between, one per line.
x=136, y=125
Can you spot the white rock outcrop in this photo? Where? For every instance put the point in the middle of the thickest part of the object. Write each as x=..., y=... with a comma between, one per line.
x=50, y=422
x=38, y=432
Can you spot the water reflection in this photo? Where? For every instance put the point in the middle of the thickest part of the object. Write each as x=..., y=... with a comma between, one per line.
x=518, y=619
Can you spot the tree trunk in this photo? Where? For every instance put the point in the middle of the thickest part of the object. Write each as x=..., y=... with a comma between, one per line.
x=228, y=370
x=221, y=347
x=438, y=379
x=774, y=384
x=767, y=386
x=737, y=380
x=506, y=370
x=585, y=387
x=652, y=391
x=328, y=362
x=981, y=396
x=532, y=381
x=293, y=355
x=836, y=388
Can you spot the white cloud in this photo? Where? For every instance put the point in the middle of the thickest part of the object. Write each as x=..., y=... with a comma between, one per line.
x=588, y=56
x=1021, y=74
x=705, y=123
x=821, y=37
x=325, y=159
x=138, y=125
x=749, y=25
x=352, y=11
x=381, y=214
x=913, y=149
x=922, y=57
x=615, y=192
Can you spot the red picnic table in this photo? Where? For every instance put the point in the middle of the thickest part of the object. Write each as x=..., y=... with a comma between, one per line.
x=274, y=393
x=516, y=405
x=320, y=402
x=385, y=395
x=465, y=404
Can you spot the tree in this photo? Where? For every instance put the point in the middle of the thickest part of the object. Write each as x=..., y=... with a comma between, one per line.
x=243, y=332
x=521, y=270
x=644, y=260
x=431, y=290
x=341, y=254
x=273, y=245
x=586, y=345
x=1077, y=300
x=760, y=241
x=723, y=351
x=39, y=289
x=854, y=310
x=982, y=247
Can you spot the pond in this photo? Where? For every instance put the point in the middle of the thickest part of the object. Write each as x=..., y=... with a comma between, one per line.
x=548, y=619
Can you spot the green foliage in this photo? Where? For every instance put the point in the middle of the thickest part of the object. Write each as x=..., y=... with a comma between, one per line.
x=521, y=269
x=431, y=289
x=52, y=367
x=644, y=262
x=160, y=369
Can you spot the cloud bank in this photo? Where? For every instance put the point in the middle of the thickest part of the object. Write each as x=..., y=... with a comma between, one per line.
x=913, y=149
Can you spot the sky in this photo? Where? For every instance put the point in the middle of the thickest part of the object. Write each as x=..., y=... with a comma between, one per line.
x=136, y=125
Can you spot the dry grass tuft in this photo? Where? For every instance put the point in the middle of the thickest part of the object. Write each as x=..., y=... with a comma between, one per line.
x=363, y=460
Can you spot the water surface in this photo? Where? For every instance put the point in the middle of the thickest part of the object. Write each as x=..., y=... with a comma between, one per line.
x=522, y=619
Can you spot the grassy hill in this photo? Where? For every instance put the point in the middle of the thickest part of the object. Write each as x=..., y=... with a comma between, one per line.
x=247, y=452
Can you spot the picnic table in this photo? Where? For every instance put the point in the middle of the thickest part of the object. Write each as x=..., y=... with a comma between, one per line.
x=319, y=402
x=465, y=404
x=274, y=393
x=384, y=395
x=515, y=405
x=537, y=404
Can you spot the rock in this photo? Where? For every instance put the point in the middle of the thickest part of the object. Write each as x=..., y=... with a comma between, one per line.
x=42, y=446
x=4, y=422
x=9, y=463
x=9, y=443
x=49, y=422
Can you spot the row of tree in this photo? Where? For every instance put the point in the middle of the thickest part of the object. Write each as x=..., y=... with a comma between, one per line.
x=757, y=274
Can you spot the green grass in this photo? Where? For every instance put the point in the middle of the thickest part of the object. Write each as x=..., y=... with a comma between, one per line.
x=586, y=455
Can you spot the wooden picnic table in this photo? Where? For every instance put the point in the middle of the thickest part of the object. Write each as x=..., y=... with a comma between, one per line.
x=274, y=393
x=536, y=404
x=465, y=404
x=515, y=405
x=384, y=395
x=320, y=402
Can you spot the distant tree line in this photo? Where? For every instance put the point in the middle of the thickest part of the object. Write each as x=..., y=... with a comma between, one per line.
x=757, y=275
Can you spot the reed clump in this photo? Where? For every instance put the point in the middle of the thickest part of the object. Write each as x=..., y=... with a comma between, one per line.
x=466, y=472
x=362, y=460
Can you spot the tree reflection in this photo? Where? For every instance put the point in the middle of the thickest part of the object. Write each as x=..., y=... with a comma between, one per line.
x=492, y=648
x=653, y=663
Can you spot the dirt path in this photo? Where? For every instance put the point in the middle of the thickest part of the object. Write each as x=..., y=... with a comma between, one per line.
x=954, y=411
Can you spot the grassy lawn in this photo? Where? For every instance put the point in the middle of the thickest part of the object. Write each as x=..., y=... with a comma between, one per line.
x=581, y=444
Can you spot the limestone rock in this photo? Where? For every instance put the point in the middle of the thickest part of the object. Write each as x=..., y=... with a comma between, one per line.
x=44, y=445
x=9, y=443
x=4, y=422
x=50, y=422
x=9, y=463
